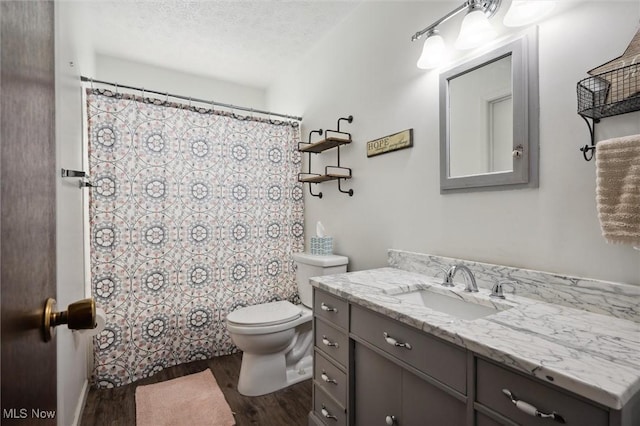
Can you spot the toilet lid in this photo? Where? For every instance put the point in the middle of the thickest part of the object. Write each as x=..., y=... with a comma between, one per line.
x=271, y=313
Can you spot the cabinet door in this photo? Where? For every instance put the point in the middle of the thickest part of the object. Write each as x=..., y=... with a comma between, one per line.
x=425, y=405
x=377, y=388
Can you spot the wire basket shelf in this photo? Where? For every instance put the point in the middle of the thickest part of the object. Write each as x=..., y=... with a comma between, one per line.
x=610, y=93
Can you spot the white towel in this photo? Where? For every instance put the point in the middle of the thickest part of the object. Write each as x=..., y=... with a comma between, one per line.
x=618, y=189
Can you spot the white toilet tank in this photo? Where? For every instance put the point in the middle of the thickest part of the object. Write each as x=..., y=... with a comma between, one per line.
x=312, y=265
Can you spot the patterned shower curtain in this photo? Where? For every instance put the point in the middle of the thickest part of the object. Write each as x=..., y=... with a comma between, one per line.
x=193, y=214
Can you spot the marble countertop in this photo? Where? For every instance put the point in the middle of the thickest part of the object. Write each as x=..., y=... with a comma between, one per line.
x=593, y=355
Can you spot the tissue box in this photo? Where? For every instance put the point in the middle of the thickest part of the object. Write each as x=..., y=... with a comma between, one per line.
x=322, y=245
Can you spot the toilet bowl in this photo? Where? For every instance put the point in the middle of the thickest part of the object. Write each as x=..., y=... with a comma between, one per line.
x=276, y=338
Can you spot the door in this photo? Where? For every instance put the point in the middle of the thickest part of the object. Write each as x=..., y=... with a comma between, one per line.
x=27, y=210
x=425, y=404
x=378, y=385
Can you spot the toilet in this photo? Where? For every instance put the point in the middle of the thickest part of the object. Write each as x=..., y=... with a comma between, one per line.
x=276, y=338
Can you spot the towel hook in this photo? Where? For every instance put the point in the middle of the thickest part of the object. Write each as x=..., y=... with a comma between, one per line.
x=590, y=148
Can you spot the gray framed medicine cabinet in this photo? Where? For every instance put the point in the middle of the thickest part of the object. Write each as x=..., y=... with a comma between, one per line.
x=489, y=119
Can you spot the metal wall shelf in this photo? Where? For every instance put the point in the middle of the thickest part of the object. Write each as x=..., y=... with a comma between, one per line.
x=607, y=94
x=337, y=172
x=323, y=145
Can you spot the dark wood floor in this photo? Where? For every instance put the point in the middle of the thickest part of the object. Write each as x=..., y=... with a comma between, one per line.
x=290, y=406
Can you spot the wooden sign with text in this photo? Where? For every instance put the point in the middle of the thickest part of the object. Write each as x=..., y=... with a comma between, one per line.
x=390, y=143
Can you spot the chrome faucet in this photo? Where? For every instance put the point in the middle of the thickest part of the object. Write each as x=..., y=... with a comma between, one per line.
x=471, y=284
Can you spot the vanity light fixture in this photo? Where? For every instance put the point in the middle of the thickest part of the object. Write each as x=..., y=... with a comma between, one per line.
x=434, y=52
x=475, y=30
x=525, y=12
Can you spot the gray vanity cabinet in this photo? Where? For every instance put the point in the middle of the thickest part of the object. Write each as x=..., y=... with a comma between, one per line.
x=370, y=369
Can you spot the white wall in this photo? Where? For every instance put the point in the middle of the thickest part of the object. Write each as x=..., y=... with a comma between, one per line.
x=71, y=58
x=123, y=71
x=366, y=67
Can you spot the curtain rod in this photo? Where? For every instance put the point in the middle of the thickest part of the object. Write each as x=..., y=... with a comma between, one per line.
x=187, y=98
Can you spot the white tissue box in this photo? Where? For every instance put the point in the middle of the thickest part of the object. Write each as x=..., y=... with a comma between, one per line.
x=322, y=245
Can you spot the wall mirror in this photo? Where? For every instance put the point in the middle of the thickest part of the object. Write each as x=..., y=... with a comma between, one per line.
x=489, y=120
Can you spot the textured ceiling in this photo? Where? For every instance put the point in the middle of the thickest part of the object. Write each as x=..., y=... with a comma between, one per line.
x=247, y=42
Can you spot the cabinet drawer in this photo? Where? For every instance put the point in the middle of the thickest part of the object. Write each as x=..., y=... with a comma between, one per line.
x=331, y=308
x=327, y=409
x=441, y=360
x=491, y=379
x=332, y=342
x=330, y=378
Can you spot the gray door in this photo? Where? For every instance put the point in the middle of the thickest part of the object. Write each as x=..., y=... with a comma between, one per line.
x=378, y=385
x=27, y=210
x=426, y=405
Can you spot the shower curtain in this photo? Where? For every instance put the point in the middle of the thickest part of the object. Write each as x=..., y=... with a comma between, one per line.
x=193, y=214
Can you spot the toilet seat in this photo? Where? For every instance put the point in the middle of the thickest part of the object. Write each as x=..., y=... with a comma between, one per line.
x=265, y=314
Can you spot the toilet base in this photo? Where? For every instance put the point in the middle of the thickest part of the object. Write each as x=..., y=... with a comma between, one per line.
x=262, y=374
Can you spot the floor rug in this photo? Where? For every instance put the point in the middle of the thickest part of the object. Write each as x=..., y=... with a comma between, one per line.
x=191, y=400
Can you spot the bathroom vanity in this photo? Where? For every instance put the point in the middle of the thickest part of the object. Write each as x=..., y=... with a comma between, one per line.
x=383, y=355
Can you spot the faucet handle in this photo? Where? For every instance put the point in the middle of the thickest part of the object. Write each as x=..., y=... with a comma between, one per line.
x=496, y=290
x=447, y=281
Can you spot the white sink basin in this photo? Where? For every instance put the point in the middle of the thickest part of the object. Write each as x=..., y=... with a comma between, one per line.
x=449, y=305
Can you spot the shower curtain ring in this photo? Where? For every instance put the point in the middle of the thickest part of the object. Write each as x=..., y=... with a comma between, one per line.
x=116, y=88
x=166, y=97
x=143, y=94
x=91, y=79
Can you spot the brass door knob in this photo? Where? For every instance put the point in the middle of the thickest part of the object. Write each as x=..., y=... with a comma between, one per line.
x=80, y=315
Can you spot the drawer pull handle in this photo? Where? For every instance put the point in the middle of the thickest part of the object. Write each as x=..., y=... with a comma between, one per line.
x=529, y=409
x=327, y=414
x=328, y=342
x=327, y=379
x=390, y=420
x=390, y=340
x=327, y=308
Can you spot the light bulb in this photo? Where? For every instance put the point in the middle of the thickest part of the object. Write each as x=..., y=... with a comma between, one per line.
x=434, y=52
x=475, y=30
x=525, y=12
